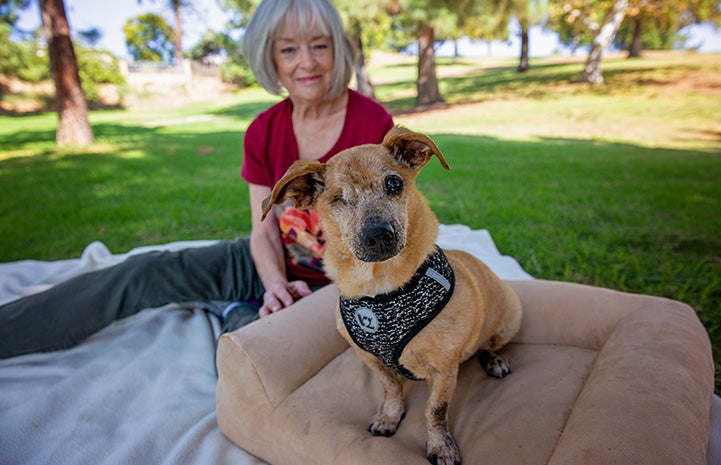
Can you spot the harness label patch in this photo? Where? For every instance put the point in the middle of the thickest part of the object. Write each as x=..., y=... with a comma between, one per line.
x=366, y=319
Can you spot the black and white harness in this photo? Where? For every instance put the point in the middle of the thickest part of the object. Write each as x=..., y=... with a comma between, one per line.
x=384, y=324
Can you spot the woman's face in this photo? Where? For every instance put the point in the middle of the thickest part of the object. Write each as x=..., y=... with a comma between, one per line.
x=304, y=63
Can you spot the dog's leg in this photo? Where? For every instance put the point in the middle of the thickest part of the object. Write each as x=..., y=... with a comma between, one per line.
x=493, y=364
x=441, y=448
x=392, y=410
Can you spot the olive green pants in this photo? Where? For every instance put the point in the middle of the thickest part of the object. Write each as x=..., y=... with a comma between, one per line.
x=69, y=312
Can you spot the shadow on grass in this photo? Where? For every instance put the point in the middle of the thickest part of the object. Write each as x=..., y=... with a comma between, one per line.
x=41, y=130
x=539, y=82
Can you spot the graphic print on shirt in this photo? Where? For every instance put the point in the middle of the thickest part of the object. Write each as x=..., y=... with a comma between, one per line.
x=302, y=235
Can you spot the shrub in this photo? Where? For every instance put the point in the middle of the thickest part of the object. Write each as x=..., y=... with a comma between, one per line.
x=25, y=60
x=97, y=67
x=236, y=71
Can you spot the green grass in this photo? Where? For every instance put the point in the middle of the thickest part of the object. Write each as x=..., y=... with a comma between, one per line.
x=614, y=186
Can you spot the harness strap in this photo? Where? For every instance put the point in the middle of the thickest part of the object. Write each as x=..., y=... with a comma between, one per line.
x=384, y=324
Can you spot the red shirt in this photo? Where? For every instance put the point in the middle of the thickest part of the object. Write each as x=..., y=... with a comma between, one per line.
x=270, y=148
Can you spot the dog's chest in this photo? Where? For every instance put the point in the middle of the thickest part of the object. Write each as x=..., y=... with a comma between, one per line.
x=383, y=325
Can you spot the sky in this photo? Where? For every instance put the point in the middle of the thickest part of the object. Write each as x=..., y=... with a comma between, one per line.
x=110, y=15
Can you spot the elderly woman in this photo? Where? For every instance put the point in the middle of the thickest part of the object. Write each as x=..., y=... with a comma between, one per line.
x=294, y=47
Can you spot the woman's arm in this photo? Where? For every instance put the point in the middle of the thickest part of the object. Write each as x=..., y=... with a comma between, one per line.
x=266, y=248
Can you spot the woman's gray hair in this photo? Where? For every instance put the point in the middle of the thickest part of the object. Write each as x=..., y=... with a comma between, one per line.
x=263, y=25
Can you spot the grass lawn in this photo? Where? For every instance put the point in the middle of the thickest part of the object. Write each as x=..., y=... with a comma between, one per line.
x=616, y=186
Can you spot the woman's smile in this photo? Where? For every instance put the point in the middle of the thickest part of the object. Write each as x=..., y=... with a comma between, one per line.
x=304, y=62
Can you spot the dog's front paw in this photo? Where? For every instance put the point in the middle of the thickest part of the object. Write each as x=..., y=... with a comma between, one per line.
x=444, y=453
x=385, y=425
x=493, y=364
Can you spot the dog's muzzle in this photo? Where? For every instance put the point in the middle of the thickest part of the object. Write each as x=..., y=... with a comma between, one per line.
x=379, y=240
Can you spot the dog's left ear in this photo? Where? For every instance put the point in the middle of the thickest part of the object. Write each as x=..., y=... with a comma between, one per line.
x=412, y=148
x=303, y=182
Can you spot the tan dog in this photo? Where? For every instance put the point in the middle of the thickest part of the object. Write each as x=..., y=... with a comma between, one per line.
x=379, y=233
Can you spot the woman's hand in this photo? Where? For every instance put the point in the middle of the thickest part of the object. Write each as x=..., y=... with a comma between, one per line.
x=282, y=294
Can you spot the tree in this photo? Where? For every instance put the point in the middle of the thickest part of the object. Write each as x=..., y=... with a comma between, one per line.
x=365, y=22
x=73, y=125
x=598, y=19
x=602, y=38
x=176, y=5
x=363, y=80
x=149, y=38
x=214, y=43
x=427, y=18
x=528, y=13
x=656, y=23
x=427, y=83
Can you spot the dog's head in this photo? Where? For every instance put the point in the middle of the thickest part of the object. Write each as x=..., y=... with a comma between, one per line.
x=364, y=195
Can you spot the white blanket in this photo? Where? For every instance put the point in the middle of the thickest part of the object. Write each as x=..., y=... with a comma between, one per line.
x=142, y=390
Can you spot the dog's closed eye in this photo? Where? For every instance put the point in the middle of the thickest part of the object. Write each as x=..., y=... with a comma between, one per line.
x=338, y=199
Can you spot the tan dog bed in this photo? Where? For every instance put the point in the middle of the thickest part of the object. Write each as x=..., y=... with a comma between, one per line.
x=599, y=377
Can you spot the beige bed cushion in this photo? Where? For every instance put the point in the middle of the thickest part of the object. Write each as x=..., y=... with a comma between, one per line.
x=599, y=377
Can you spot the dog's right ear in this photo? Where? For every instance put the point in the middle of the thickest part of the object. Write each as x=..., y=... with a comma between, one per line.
x=303, y=182
x=412, y=148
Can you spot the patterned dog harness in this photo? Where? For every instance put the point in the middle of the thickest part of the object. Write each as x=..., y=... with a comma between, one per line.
x=384, y=324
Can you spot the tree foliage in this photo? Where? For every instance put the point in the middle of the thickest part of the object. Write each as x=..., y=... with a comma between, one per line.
x=9, y=11
x=655, y=24
x=575, y=21
x=241, y=10
x=235, y=69
x=148, y=37
x=26, y=60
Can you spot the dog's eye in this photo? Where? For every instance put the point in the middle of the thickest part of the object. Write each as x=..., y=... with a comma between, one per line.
x=393, y=185
x=338, y=199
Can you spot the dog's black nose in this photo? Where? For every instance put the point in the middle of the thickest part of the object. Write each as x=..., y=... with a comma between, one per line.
x=379, y=241
x=378, y=235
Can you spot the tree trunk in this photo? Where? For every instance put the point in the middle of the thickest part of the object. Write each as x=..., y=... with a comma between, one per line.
x=363, y=81
x=70, y=102
x=636, y=47
x=427, y=83
x=523, y=63
x=603, y=38
x=178, y=33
